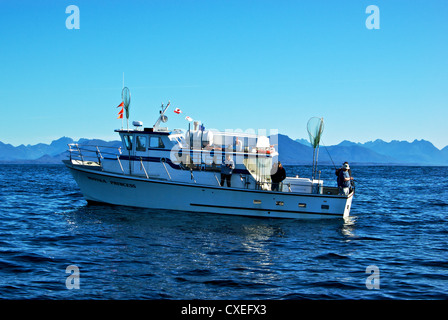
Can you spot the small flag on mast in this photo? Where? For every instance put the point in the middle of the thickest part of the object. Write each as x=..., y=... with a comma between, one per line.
x=177, y=110
x=188, y=118
x=120, y=113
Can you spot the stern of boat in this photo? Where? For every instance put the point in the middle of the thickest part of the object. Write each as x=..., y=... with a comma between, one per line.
x=348, y=204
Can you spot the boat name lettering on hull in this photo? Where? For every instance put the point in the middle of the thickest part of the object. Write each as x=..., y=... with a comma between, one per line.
x=115, y=183
x=121, y=184
x=96, y=179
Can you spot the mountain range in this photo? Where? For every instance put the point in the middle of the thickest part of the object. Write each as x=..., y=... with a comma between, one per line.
x=42, y=153
x=418, y=152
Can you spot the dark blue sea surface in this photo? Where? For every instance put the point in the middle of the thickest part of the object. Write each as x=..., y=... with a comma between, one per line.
x=398, y=223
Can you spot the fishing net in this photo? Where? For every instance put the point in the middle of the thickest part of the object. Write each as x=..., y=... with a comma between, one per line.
x=315, y=128
x=126, y=97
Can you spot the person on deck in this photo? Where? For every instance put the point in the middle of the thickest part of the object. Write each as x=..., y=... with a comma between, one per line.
x=227, y=170
x=344, y=180
x=278, y=174
x=238, y=145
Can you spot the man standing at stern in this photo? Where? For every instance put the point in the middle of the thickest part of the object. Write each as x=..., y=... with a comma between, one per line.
x=344, y=180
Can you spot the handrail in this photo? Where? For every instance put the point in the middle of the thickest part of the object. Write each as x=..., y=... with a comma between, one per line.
x=219, y=183
x=93, y=153
x=143, y=167
x=80, y=153
x=162, y=160
x=91, y=145
x=93, y=148
x=119, y=162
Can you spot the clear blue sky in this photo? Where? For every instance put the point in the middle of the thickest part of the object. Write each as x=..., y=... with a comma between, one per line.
x=234, y=64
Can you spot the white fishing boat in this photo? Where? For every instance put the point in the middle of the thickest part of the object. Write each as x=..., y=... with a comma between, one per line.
x=181, y=170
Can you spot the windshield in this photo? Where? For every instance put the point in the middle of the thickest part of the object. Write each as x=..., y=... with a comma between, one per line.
x=128, y=141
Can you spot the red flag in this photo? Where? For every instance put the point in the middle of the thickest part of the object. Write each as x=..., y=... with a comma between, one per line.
x=177, y=110
x=120, y=113
x=121, y=104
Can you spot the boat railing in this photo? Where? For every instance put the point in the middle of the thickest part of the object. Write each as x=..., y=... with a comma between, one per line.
x=287, y=187
x=91, y=154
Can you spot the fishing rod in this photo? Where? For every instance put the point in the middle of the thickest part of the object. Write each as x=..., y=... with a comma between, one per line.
x=354, y=180
x=375, y=192
x=329, y=154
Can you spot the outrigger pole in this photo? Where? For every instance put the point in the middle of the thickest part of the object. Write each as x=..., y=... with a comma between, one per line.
x=123, y=102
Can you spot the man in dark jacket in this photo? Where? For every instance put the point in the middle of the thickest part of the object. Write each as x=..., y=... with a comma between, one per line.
x=278, y=174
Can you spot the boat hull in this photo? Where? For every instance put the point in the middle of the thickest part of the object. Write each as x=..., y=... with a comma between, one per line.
x=116, y=189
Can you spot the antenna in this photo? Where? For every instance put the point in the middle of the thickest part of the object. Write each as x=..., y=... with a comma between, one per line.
x=162, y=118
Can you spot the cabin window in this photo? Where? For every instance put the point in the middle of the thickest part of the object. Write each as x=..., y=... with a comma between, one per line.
x=156, y=142
x=302, y=205
x=128, y=141
x=140, y=143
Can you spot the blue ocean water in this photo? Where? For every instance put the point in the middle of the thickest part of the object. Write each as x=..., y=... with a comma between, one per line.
x=398, y=224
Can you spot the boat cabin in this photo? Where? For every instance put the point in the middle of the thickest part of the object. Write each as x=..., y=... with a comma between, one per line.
x=196, y=150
